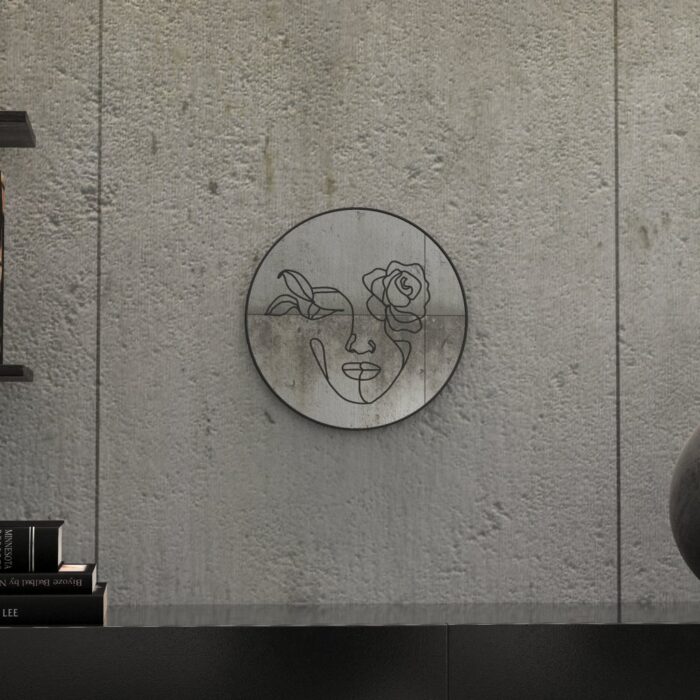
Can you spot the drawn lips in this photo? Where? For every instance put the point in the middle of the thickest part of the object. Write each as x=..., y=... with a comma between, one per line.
x=361, y=370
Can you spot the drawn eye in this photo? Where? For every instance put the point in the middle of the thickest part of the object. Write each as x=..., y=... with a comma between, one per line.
x=326, y=302
x=317, y=312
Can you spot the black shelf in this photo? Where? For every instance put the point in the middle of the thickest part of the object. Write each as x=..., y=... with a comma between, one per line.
x=16, y=130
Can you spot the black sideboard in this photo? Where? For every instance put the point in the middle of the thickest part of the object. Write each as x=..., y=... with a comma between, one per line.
x=358, y=653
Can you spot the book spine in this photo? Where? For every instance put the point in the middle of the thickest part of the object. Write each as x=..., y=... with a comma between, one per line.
x=53, y=609
x=14, y=549
x=33, y=584
x=29, y=549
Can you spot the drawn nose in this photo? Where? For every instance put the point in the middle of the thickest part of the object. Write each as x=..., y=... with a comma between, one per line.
x=361, y=346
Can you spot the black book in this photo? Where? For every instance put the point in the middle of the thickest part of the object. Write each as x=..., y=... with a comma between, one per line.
x=27, y=546
x=70, y=578
x=54, y=608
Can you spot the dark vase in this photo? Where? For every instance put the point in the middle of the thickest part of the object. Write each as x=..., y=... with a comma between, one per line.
x=684, y=506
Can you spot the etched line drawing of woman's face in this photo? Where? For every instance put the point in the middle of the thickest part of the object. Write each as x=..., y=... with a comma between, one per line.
x=360, y=352
x=356, y=318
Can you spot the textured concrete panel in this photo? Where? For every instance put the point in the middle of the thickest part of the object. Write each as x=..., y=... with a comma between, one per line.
x=660, y=254
x=48, y=66
x=489, y=125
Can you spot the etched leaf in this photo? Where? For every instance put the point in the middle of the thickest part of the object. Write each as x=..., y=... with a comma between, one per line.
x=297, y=284
x=282, y=305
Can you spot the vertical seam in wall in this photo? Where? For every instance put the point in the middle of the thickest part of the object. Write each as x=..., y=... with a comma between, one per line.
x=98, y=303
x=618, y=406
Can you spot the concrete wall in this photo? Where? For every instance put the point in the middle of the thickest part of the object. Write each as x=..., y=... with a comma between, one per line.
x=490, y=125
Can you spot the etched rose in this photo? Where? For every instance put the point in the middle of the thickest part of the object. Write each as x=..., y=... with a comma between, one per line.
x=398, y=295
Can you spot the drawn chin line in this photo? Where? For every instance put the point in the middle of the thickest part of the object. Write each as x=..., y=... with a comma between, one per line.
x=319, y=353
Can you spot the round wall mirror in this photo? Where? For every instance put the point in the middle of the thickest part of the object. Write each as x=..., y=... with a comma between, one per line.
x=356, y=318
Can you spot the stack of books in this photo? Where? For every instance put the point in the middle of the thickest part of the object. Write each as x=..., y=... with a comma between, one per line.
x=37, y=587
